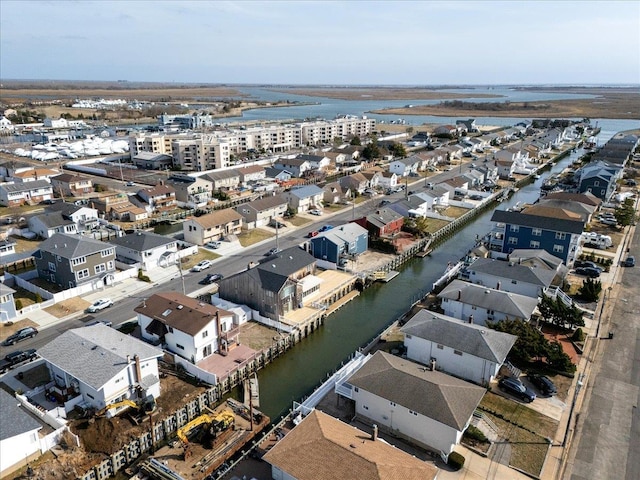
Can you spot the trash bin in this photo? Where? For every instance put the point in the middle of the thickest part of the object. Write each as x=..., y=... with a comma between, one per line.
x=610, y=335
x=20, y=375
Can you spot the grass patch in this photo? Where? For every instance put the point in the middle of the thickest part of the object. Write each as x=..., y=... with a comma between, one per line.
x=24, y=244
x=253, y=236
x=203, y=254
x=432, y=225
x=25, y=296
x=298, y=221
x=67, y=307
x=455, y=212
x=517, y=413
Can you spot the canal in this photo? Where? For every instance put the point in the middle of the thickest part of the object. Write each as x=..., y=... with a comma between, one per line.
x=301, y=370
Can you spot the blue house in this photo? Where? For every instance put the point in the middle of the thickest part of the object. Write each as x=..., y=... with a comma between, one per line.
x=7, y=304
x=340, y=243
x=555, y=230
x=599, y=178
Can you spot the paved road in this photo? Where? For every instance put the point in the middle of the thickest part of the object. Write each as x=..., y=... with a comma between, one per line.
x=607, y=443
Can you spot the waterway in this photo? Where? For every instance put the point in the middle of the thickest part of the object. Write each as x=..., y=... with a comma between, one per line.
x=308, y=364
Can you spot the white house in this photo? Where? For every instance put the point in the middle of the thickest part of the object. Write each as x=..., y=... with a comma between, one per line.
x=388, y=180
x=148, y=250
x=426, y=407
x=48, y=224
x=461, y=349
x=6, y=126
x=98, y=366
x=186, y=326
x=405, y=166
x=303, y=199
x=7, y=247
x=15, y=194
x=477, y=304
x=19, y=438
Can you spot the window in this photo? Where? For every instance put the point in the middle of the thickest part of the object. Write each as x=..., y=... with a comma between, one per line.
x=179, y=346
x=561, y=235
x=110, y=265
x=457, y=352
x=82, y=274
x=170, y=329
x=440, y=347
x=513, y=240
x=365, y=407
x=514, y=228
x=90, y=396
x=534, y=244
x=100, y=268
x=356, y=389
x=52, y=267
x=78, y=261
x=536, y=232
x=106, y=253
x=205, y=334
x=413, y=413
x=558, y=249
x=393, y=404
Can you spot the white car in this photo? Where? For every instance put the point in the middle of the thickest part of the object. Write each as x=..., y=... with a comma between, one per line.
x=100, y=304
x=315, y=212
x=204, y=264
x=213, y=245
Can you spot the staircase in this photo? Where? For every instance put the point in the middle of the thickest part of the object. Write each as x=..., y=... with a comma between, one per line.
x=513, y=370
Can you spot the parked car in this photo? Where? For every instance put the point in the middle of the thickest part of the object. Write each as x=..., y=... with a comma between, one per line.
x=586, y=263
x=106, y=323
x=315, y=211
x=430, y=185
x=213, y=245
x=211, y=278
x=100, y=304
x=276, y=224
x=130, y=184
x=15, y=358
x=516, y=388
x=203, y=265
x=609, y=221
x=383, y=203
x=630, y=261
x=22, y=334
x=588, y=272
x=542, y=383
x=324, y=228
x=312, y=233
x=273, y=251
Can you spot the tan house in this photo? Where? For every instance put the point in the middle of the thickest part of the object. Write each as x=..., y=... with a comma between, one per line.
x=252, y=173
x=161, y=197
x=128, y=212
x=34, y=174
x=213, y=226
x=70, y=185
x=260, y=212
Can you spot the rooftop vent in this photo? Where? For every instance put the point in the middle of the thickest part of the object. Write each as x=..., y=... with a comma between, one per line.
x=180, y=307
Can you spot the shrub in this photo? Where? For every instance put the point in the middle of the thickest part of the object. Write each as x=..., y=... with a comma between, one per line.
x=38, y=298
x=456, y=461
x=142, y=276
x=18, y=304
x=474, y=433
x=578, y=335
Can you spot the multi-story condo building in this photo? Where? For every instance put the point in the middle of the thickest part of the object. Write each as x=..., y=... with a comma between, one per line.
x=207, y=152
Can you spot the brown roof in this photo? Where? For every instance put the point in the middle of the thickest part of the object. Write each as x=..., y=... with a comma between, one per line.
x=69, y=178
x=251, y=169
x=36, y=173
x=220, y=217
x=160, y=190
x=266, y=203
x=180, y=312
x=322, y=447
x=456, y=182
x=586, y=198
x=552, y=212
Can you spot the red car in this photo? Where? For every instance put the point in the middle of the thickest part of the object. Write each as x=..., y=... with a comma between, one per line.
x=312, y=234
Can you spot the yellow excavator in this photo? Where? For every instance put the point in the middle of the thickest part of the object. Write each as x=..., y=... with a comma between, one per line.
x=216, y=423
x=148, y=405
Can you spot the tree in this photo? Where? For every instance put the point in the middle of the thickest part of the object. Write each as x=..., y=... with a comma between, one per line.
x=355, y=141
x=590, y=290
x=555, y=311
x=371, y=151
x=530, y=343
x=625, y=213
x=398, y=150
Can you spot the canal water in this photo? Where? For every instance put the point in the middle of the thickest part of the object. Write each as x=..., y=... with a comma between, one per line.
x=308, y=364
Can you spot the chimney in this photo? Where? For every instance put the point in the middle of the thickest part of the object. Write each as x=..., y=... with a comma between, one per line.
x=374, y=435
x=459, y=294
x=432, y=364
x=498, y=286
x=136, y=358
x=470, y=318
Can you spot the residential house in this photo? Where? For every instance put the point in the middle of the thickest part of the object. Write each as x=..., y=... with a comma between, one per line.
x=388, y=180
x=334, y=193
x=303, y=199
x=405, y=166
x=160, y=198
x=276, y=286
x=104, y=203
x=438, y=196
x=259, y=213
x=340, y=243
x=128, y=212
x=506, y=169
x=552, y=229
x=152, y=161
x=194, y=191
x=478, y=304
x=415, y=206
x=599, y=178
x=452, y=152
x=464, y=350
x=457, y=186
x=446, y=131
x=223, y=179
x=468, y=126
x=373, y=178
x=251, y=173
x=72, y=260
x=383, y=223
x=19, y=437
x=5, y=126
x=336, y=158
x=25, y=193
x=280, y=176
x=297, y=167
x=572, y=203
x=322, y=447
x=34, y=174
x=511, y=277
x=316, y=162
x=352, y=152
x=426, y=407
x=7, y=247
x=617, y=150
x=186, y=326
x=7, y=304
x=473, y=177
x=212, y=226
x=71, y=185
x=102, y=366
x=86, y=218
x=539, y=259
x=48, y=224
x=145, y=249
x=356, y=182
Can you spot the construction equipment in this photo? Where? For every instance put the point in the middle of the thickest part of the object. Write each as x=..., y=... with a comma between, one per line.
x=216, y=424
x=148, y=405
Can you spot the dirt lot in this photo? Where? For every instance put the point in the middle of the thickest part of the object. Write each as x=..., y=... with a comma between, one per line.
x=67, y=307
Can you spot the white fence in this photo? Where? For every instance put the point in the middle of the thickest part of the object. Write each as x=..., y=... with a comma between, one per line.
x=278, y=325
x=208, y=377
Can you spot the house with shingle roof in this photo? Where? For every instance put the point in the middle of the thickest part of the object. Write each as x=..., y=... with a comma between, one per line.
x=160, y=197
x=86, y=218
x=303, y=199
x=212, y=226
x=478, y=303
x=339, y=243
x=322, y=447
x=384, y=222
x=34, y=174
x=223, y=179
x=405, y=166
x=71, y=184
x=599, y=178
x=334, y=193
x=7, y=302
x=259, y=213
x=48, y=224
x=295, y=166
x=19, y=438
x=72, y=260
x=464, y=350
x=186, y=326
x=276, y=286
x=251, y=173
x=356, y=182
x=191, y=190
x=145, y=249
x=316, y=162
x=428, y=408
x=25, y=193
x=102, y=365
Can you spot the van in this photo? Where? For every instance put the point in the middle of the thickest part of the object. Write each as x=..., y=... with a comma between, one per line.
x=630, y=261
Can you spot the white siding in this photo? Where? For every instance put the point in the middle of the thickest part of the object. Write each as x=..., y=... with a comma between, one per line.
x=16, y=449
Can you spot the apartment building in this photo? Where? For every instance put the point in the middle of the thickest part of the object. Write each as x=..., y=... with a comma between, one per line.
x=207, y=152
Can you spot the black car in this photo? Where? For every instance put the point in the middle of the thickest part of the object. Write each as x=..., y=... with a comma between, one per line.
x=517, y=389
x=542, y=383
x=589, y=272
x=383, y=203
x=586, y=263
x=212, y=277
x=630, y=261
x=22, y=334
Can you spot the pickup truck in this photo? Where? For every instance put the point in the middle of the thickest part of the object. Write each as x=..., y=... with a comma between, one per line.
x=16, y=358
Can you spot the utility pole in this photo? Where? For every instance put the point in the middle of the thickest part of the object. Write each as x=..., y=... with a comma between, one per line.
x=179, y=262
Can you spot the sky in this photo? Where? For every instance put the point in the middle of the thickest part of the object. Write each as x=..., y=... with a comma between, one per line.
x=323, y=42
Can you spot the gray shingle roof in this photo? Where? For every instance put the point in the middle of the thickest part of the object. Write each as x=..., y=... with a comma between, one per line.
x=25, y=186
x=265, y=203
x=141, y=241
x=54, y=219
x=473, y=339
x=96, y=354
x=347, y=233
x=509, y=270
x=65, y=208
x=72, y=246
x=273, y=272
x=538, y=221
x=383, y=216
x=510, y=304
x=305, y=192
x=446, y=399
x=14, y=420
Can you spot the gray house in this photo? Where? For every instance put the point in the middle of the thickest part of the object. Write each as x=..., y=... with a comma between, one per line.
x=72, y=260
x=260, y=212
x=7, y=303
x=48, y=224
